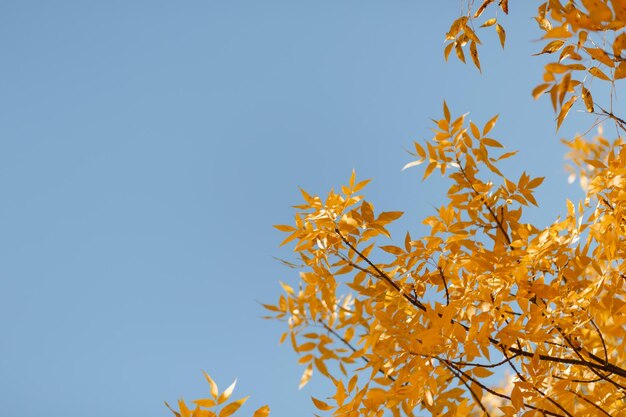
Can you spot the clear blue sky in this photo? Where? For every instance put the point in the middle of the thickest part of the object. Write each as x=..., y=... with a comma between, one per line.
x=147, y=147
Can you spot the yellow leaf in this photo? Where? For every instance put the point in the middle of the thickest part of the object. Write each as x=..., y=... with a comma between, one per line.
x=205, y=402
x=429, y=170
x=212, y=384
x=551, y=47
x=306, y=376
x=490, y=124
x=320, y=404
x=321, y=366
x=489, y=22
x=558, y=32
x=492, y=142
x=619, y=44
x=231, y=408
x=305, y=347
x=482, y=372
x=420, y=151
x=475, y=130
x=287, y=288
x=447, y=50
x=620, y=71
x=389, y=216
x=588, y=100
x=595, y=163
x=262, y=412
x=482, y=8
x=564, y=110
x=535, y=182
x=446, y=111
x=601, y=56
x=412, y=164
x=501, y=34
x=459, y=52
x=597, y=72
x=177, y=414
x=284, y=227
x=557, y=68
x=184, y=411
x=516, y=398
x=227, y=393
x=474, y=54
x=539, y=90
x=544, y=23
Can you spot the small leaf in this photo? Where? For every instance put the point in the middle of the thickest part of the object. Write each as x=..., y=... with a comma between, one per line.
x=321, y=404
x=306, y=376
x=620, y=71
x=475, y=130
x=492, y=142
x=595, y=163
x=557, y=68
x=284, y=227
x=446, y=111
x=597, y=72
x=501, y=34
x=474, y=54
x=262, y=412
x=389, y=216
x=287, y=288
x=544, y=23
x=490, y=124
x=535, y=182
x=539, y=90
x=558, y=32
x=177, y=414
x=231, y=408
x=429, y=170
x=489, y=22
x=551, y=47
x=205, y=402
x=588, y=100
x=420, y=151
x=601, y=56
x=412, y=164
x=212, y=384
x=482, y=8
x=184, y=411
x=564, y=110
x=447, y=50
x=227, y=393
x=516, y=398
x=459, y=52
x=482, y=372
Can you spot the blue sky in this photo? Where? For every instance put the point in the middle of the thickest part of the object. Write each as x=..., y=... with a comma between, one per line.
x=147, y=148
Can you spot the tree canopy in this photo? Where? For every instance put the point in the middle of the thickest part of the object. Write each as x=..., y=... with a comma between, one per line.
x=427, y=325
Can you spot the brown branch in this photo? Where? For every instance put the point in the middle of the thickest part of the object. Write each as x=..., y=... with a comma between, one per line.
x=578, y=381
x=474, y=395
x=352, y=348
x=611, y=368
x=497, y=394
x=445, y=285
x=589, y=402
x=606, y=355
x=483, y=365
x=543, y=394
x=382, y=275
x=491, y=212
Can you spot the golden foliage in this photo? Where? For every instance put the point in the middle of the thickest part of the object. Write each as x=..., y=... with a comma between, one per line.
x=426, y=323
x=217, y=405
